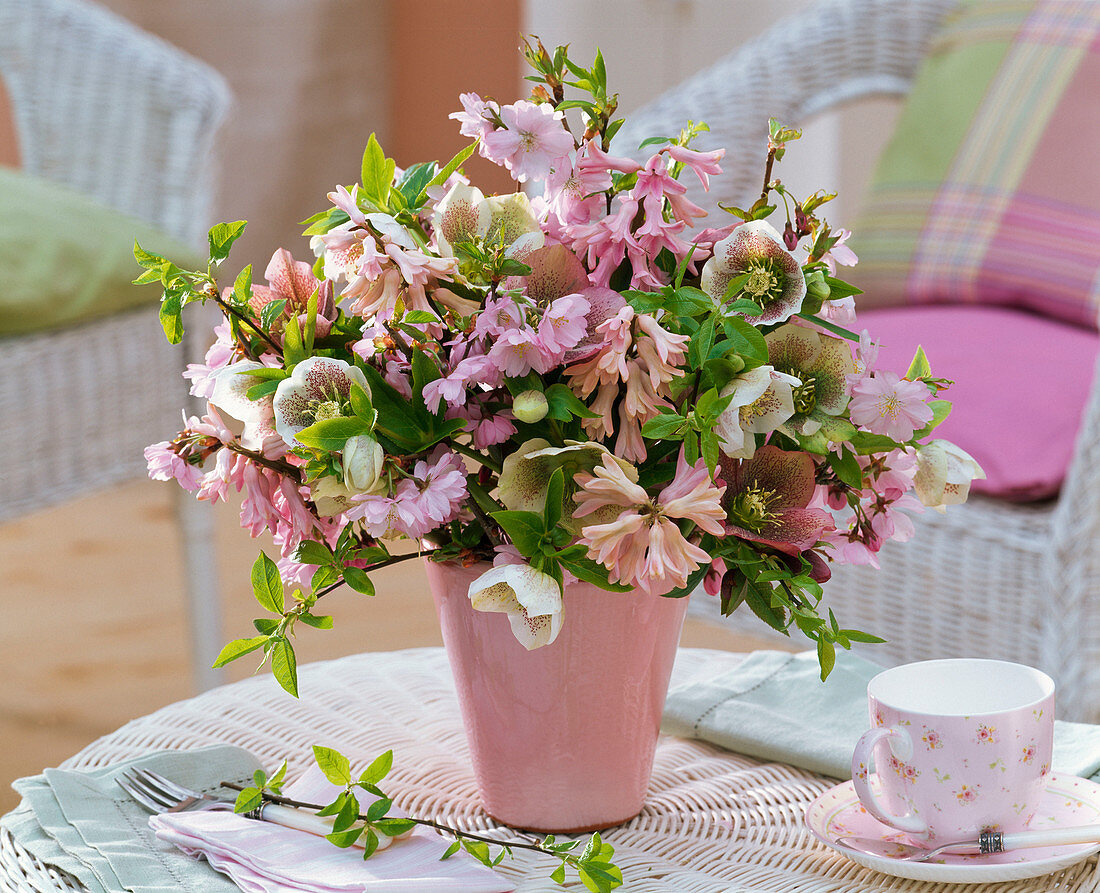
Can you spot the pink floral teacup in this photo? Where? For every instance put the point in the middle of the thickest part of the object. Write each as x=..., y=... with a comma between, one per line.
x=959, y=746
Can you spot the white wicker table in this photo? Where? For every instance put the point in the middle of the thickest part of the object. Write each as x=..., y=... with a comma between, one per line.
x=714, y=822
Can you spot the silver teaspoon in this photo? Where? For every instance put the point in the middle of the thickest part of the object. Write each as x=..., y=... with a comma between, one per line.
x=987, y=842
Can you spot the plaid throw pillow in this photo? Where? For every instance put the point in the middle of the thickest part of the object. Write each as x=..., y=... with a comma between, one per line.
x=989, y=191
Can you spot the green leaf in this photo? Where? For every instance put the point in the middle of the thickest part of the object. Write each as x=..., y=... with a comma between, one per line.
x=762, y=608
x=335, y=765
x=838, y=288
x=331, y=435
x=525, y=529
x=261, y=390
x=293, y=351
x=309, y=552
x=335, y=806
x=361, y=405
x=170, y=318
x=378, y=809
x=941, y=409
x=664, y=426
x=451, y=850
x=378, y=769
x=564, y=404
x=424, y=371
x=826, y=657
x=693, y=581
x=709, y=442
x=238, y=648
x=558, y=877
x=419, y=316
x=584, y=568
x=370, y=844
x=284, y=666
x=221, y=238
x=147, y=259
x=248, y=800
x=345, y=839
x=747, y=339
x=322, y=621
x=449, y=168
x=920, y=367
x=701, y=343
x=832, y=327
x=858, y=636
x=348, y=814
x=394, y=827
x=242, y=292
x=266, y=625
x=267, y=586
x=376, y=173
x=847, y=468
x=555, y=489
x=273, y=373
x=414, y=181
x=358, y=580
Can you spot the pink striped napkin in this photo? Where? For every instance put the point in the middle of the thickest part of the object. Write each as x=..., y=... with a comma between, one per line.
x=261, y=857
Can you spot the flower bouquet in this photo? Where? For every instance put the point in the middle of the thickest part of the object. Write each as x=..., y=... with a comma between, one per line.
x=570, y=385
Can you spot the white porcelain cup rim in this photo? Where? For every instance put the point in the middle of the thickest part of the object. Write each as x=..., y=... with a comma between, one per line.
x=974, y=687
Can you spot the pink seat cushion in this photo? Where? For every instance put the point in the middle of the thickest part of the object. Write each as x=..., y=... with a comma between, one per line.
x=1021, y=384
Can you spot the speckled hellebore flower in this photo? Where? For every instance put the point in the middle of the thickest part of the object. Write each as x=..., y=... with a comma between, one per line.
x=462, y=215
x=318, y=389
x=821, y=365
x=530, y=598
x=526, y=475
x=775, y=281
x=762, y=400
x=766, y=498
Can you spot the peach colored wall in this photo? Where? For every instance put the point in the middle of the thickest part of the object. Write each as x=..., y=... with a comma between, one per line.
x=456, y=48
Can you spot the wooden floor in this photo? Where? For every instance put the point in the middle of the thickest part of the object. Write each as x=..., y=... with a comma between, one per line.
x=93, y=624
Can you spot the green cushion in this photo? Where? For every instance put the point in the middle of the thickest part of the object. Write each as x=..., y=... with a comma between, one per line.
x=66, y=259
x=988, y=192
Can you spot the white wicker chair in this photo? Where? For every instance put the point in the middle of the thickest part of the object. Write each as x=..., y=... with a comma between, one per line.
x=128, y=119
x=989, y=579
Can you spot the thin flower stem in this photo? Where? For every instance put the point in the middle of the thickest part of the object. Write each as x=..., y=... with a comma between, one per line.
x=274, y=464
x=487, y=461
x=228, y=308
x=393, y=559
x=455, y=832
x=767, y=175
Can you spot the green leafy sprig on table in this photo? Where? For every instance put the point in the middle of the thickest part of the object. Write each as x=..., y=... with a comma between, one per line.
x=592, y=864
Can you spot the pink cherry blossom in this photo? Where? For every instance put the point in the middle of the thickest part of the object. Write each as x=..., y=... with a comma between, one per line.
x=532, y=141
x=889, y=405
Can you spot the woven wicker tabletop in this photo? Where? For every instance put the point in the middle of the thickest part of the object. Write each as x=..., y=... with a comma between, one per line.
x=714, y=821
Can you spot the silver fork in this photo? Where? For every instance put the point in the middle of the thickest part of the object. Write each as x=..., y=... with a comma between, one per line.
x=160, y=795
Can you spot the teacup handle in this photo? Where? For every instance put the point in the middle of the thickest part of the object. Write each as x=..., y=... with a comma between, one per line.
x=902, y=746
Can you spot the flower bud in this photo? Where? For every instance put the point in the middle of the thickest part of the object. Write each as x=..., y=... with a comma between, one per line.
x=530, y=406
x=362, y=463
x=816, y=285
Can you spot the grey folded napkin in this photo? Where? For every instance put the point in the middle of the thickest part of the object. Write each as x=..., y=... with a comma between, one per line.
x=84, y=824
x=775, y=707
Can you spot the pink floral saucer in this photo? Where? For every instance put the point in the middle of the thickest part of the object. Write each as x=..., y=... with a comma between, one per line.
x=1068, y=800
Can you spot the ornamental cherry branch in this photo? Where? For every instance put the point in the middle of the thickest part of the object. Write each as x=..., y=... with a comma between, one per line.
x=538, y=847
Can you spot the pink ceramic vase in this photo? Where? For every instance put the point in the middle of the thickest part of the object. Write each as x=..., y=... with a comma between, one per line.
x=562, y=737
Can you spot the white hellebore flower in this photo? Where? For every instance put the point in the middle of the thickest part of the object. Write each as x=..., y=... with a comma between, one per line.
x=763, y=399
x=362, y=461
x=318, y=389
x=944, y=473
x=231, y=384
x=530, y=598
